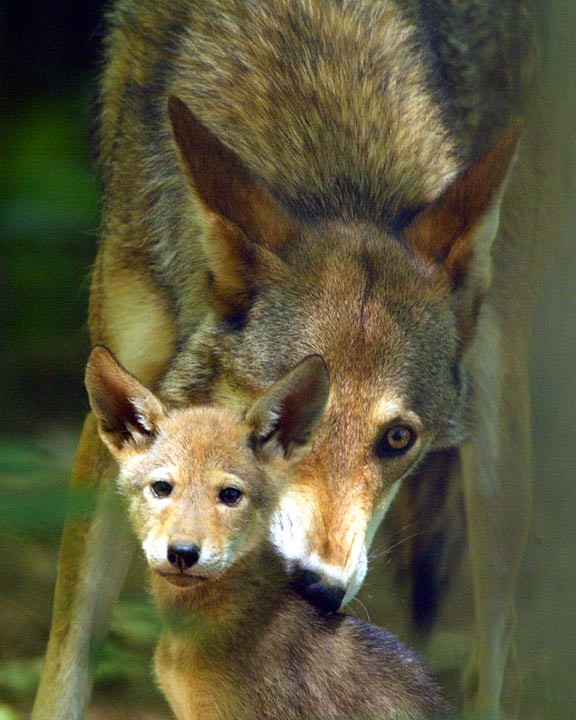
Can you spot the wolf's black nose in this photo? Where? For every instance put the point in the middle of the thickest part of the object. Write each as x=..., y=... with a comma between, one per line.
x=183, y=555
x=326, y=597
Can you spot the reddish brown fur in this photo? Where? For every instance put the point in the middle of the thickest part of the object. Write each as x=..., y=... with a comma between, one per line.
x=280, y=179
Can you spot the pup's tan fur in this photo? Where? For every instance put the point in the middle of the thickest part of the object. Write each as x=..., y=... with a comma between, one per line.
x=306, y=176
x=238, y=642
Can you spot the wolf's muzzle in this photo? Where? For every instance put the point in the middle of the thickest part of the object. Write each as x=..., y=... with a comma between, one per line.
x=324, y=596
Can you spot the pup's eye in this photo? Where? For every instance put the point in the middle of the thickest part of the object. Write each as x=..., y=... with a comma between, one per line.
x=161, y=488
x=230, y=496
x=394, y=441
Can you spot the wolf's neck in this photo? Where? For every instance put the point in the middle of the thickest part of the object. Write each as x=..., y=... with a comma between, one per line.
x=227, y=610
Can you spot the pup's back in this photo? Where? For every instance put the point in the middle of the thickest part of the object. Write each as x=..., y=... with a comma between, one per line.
x=287, y=662
x=239, y=641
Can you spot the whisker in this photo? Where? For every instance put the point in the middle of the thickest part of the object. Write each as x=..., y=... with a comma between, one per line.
x=402, y=540
x=363, y=607
x=376, y=554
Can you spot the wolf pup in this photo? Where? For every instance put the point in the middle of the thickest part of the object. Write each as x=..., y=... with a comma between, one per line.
x=299, y=177
x=239, y=643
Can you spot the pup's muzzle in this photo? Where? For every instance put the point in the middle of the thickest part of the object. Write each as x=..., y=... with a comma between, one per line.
x=183, y=555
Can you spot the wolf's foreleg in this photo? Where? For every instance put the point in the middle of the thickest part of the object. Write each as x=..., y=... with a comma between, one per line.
x=497, y=485
x=95, y=552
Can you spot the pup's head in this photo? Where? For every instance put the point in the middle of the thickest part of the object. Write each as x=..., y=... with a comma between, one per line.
x=202, y=483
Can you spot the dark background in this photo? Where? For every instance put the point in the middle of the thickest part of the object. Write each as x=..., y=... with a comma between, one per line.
x=48, y=227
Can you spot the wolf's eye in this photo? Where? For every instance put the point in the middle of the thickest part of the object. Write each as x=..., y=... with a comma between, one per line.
x=230, y=496
x=161, y=488
x=394, y=441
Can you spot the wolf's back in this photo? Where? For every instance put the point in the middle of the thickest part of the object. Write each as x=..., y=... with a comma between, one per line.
x=341, y=108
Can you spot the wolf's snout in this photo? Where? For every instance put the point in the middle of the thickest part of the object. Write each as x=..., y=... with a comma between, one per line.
x=183, y=555
x=325, y=596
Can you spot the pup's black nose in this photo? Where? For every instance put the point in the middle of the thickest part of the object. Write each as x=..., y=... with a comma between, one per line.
x=326, y=597
x=183, y=555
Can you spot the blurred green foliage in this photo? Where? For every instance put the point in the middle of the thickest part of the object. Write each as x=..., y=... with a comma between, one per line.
x=35, y=502
x=48, y=221
x=49, y=217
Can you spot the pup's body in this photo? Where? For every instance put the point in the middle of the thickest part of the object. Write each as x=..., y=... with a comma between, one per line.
x=239, y=642
x=310, y=176
x=254, y=648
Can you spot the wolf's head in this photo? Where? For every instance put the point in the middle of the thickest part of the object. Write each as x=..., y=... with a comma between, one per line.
x=390, y=303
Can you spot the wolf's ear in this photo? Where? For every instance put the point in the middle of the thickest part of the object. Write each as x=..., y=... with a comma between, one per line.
x=126, y=411
x=243, y=220
x=238, y=269
x=462, y=223
x=284, y=418
x=223, y=184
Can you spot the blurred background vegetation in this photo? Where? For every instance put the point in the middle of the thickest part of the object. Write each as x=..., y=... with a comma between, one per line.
x=48, y=227
x=49, y=219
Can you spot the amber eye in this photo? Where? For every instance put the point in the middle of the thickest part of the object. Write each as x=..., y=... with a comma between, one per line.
x=161, y=488
x=230, y=496
x=395, y=441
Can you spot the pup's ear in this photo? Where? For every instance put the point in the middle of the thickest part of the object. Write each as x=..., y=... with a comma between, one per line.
x=285, y=417
x=445, y=233
x=242, y=219
x=126, y=411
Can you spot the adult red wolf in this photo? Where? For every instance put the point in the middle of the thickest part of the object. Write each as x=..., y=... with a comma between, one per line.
x=327, y=177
